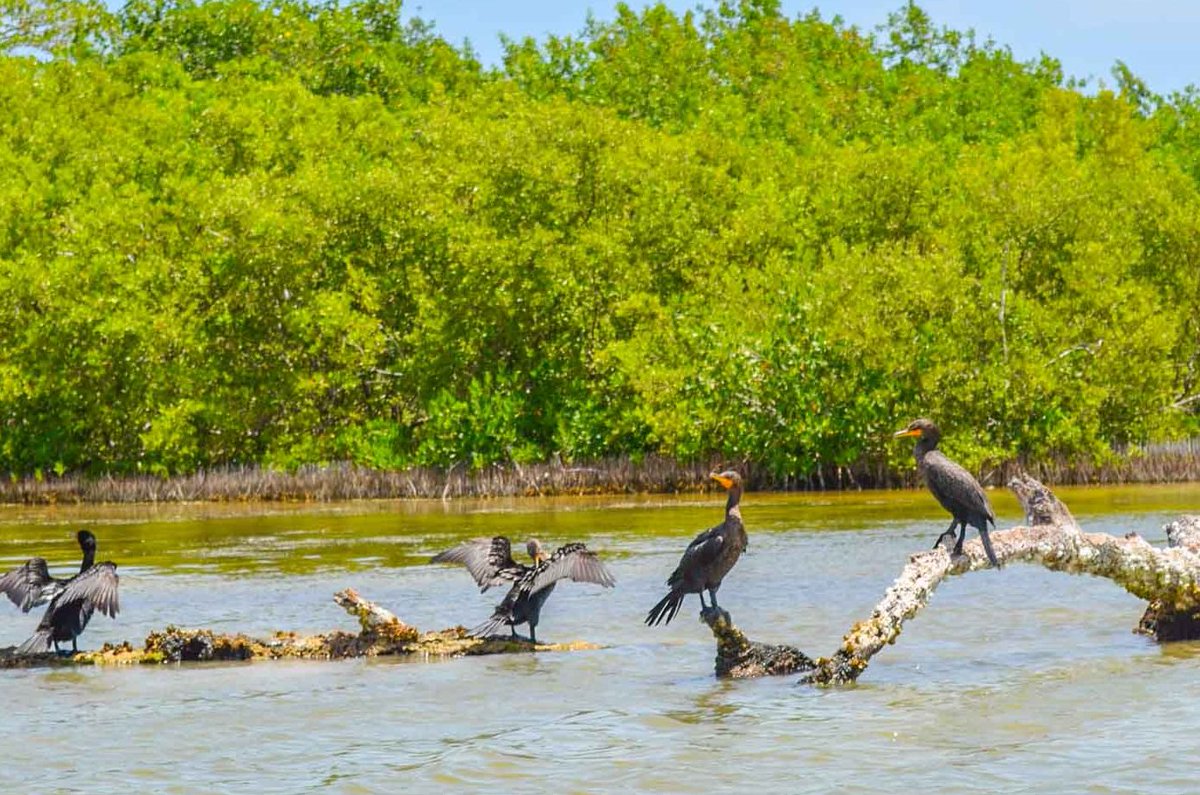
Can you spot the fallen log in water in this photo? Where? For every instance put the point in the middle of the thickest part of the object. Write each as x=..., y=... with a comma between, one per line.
x=1168, y=578
x=380, y=634
x=1160, y=621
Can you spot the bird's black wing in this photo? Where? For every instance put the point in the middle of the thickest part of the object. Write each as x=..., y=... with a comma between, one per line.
x=572, y=561
x=489, y=560
x=955, y=488
x=94, y=589
x=500, y=556
x=26, y=585
x=704, y=549
x=707, y=546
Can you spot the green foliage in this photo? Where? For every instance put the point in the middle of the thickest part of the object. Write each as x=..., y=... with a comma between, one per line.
x=234, y=232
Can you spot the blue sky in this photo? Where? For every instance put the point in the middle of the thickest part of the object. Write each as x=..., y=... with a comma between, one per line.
x=1158, y=39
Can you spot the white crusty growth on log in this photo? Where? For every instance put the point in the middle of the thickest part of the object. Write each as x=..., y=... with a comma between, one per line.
x=372, y=618
x=1169, y=578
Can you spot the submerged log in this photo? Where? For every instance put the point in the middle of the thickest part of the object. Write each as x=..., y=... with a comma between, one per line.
x=1168, y=578
x=741, y=658
x=380, y=634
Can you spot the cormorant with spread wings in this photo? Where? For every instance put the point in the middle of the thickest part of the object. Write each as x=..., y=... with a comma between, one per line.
x=71, y=608
x=490, y=563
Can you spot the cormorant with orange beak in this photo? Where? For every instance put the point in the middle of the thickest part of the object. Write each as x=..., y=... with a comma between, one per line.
x=954, y=487
x=708, y=558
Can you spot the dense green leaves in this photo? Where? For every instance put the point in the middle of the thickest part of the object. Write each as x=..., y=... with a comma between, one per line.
x=233, y=232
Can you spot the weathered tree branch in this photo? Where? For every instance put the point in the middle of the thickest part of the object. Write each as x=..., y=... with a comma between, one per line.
x=1178, y=404
x=1169, y=578
x=1159, y=621
x=741, y=658
x=380, y=633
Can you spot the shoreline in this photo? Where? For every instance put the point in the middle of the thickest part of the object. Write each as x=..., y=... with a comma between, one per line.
x=343, y=482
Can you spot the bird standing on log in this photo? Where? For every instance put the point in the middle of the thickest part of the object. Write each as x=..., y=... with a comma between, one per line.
x=75, y=601
x=708, y=558
x=490, y=562
x=954, y=487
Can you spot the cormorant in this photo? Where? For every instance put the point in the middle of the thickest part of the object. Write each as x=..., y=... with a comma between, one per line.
x=954, y=487
x=93, y=588
x=490, y=563
x=30, y=584
x=708, y=558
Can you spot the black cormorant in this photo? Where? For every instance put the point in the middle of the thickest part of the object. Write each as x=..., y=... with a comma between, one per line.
x=708, y=558
x=490, y=563
x=71, y=608
x=954, y=487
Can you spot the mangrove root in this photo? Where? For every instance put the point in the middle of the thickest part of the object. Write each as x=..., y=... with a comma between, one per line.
x=380, y=633
x=1168, y=578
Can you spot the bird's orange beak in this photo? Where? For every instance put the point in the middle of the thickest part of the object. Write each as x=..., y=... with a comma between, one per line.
x=907, y=432
x=724, y=481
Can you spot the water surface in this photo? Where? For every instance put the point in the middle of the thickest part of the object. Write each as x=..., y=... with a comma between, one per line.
x=1010, y=681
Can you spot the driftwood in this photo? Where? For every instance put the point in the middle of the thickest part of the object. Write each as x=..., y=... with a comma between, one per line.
x=1160, y=621
x=380, y=634
x=1168, y=578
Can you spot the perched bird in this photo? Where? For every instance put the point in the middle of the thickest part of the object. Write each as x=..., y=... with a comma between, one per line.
x=708, y=558
x=490, y=563
x=30, y=584
x=954, y=487
x=71, y=607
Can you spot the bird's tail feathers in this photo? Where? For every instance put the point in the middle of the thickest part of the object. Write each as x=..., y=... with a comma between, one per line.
x=38, y=644
x=493, y=625
x=666, y=608
x=987, y=547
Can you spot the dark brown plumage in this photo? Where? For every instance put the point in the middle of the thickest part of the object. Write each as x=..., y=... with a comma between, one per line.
x=490, y=563
x=952, y=486
x=708, y=558
x=93, y=588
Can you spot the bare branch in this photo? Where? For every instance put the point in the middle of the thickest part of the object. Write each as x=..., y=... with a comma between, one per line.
x=1089, y=347
x=1178, y=404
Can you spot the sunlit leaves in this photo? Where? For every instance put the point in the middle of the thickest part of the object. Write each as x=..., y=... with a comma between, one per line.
x=291, y=233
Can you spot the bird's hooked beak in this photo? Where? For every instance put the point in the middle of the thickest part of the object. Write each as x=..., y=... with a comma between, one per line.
x=724, y=481
x=907, y=432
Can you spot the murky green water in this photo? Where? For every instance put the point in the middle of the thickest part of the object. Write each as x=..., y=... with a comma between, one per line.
x=1012, y=681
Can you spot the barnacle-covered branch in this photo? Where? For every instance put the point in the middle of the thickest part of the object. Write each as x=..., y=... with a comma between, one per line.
x=1168, y=578
x=380, y=634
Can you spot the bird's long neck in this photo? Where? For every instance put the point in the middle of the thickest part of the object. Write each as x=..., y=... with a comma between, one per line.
x=89, y=558
x=925, y=445
x=731, y=502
